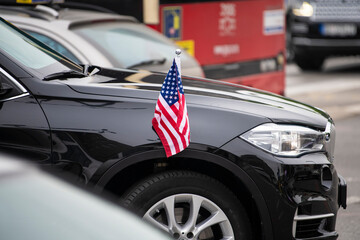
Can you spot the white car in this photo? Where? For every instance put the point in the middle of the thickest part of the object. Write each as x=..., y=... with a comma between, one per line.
x=35, y=205
x=99, y=38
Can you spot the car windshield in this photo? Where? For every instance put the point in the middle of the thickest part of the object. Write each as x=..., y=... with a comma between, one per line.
x=128, y=44
x=31, y=53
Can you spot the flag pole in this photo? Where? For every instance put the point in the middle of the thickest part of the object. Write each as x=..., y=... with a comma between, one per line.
x=177, y=59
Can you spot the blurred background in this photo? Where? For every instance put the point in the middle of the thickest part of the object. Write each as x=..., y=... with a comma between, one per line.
x=305, y=50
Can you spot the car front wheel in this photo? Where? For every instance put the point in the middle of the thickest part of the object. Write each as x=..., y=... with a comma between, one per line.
x=189, y=205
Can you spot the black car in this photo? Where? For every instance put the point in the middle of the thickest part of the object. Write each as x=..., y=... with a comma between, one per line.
x=317, y=29
x=259, y=166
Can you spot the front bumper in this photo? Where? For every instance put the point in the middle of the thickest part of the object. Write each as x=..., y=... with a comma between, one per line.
x=342, y=192
x=318, y=226
x=315, y=191
x=302, y=194
x=309, y=194
x=308, y=36
x=304, y=45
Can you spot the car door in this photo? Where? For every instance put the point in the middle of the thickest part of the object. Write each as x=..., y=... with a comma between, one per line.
x=24, y=129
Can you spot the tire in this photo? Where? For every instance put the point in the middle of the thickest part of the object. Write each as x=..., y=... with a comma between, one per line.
x=309, y=63
x=218, y=213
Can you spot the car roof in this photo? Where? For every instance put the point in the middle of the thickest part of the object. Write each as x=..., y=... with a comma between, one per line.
x=59, y=21
x=81, y=16
x=65, y=16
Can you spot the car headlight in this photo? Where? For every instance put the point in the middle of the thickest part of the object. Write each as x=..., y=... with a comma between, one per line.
x=305, y=10
x=286, y=140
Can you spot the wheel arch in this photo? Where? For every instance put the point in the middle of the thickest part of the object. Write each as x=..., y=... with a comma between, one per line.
x=124, y=173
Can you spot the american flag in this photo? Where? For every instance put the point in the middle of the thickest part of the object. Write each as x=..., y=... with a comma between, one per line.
x=171, y=121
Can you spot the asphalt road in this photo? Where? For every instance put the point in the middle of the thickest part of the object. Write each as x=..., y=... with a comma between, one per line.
x=336, y=89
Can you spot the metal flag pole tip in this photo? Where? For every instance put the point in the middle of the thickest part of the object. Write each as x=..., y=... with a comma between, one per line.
x=178, y=51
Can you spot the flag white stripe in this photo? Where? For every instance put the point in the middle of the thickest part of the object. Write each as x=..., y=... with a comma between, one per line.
x=172, y=130
x=184, y=119
x=176, y=105
x=167, y=108
x=167, y=136
x=187, y=134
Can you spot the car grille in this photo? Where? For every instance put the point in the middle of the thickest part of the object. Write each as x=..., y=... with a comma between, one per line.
x=310, y=226
x=337, y=10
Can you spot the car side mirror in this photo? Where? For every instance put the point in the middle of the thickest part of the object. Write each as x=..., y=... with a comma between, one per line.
x=5, y=89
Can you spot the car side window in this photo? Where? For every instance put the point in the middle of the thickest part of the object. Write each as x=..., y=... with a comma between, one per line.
x=54, y=45
x=8, y=88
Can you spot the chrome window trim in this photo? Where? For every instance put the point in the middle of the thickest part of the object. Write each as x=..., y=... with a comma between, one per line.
x=23, y=93
x=14, y=97
x=13, y=80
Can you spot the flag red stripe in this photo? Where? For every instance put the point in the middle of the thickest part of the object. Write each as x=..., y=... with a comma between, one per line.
x=166, y=143
x=175, y=109
x=167, y=137
x=181, y=112
x=173, y=124
x=173, y=138
x=168, y=109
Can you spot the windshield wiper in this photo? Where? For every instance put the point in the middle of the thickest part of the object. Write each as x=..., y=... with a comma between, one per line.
x=149, y=62
x=90, y=70
x=63, y=75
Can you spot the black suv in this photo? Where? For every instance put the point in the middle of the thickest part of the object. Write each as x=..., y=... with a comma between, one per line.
x=317, y=29
x=259, y=166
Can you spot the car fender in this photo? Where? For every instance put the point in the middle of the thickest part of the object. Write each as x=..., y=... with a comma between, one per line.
x=101, y=181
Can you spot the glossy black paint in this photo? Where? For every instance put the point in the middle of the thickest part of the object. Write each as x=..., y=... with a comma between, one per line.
x=99, y=127
x=24, y=127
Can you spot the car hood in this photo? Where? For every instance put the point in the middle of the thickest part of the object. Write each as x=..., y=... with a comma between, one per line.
x=203, y=92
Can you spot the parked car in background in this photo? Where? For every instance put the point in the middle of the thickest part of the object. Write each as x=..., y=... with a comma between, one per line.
x=34, y=205
x=317, y=29
x=99, y=38
x=259, y=166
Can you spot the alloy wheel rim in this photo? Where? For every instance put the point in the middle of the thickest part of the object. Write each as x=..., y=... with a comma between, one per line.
x=190, y=217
